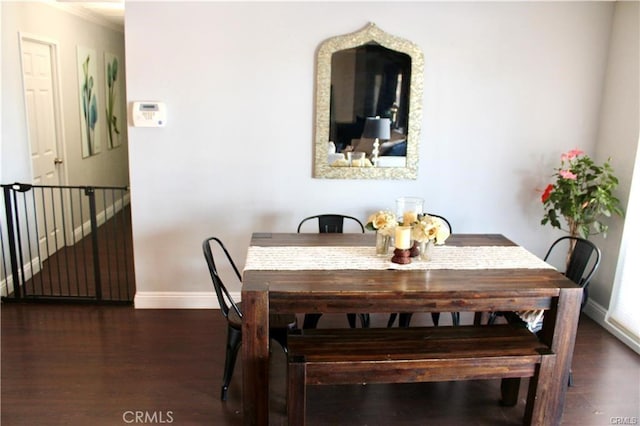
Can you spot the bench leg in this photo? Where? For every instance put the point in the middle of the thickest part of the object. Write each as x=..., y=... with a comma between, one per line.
x=296, y=393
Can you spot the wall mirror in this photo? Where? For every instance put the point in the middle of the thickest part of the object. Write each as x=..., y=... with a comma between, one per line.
x=361, y=78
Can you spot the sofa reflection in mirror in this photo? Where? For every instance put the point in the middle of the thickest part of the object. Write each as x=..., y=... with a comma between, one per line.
x=378, y=141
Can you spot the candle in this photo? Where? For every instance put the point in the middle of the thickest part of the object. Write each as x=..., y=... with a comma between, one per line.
x=409, y=217
x=403, y=237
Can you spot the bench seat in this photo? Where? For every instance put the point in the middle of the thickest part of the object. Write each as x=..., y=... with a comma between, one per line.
x=416, y=354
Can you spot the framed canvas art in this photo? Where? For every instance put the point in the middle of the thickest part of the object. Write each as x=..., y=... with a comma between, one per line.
x=88, y=93
x=113, y=110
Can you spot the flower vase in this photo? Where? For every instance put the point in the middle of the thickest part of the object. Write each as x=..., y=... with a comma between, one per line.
x=426, y=250
x=382, y=244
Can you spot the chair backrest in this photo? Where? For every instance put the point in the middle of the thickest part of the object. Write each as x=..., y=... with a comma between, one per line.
x=585, y=253
x=331, y=223
x=444, y=219
x=224, y=298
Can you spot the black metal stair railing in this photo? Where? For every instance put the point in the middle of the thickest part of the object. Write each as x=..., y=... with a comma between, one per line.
x=66, y=243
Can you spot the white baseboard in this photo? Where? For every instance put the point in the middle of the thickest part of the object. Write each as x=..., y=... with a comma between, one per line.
x=178, y=300
x=599, y=314
x=30, y=269
x=595, y=311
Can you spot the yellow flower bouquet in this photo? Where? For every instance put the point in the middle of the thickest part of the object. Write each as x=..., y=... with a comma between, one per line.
x=384, y=223
x=429, y=228
x=427, y=231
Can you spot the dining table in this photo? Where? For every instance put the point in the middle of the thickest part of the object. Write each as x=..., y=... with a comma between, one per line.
x=340, y=273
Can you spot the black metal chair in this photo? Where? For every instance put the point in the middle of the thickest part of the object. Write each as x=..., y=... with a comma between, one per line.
x=582, y=265
x=279, y=325
x=405, y=318
x=332, y=224
x=584, y=253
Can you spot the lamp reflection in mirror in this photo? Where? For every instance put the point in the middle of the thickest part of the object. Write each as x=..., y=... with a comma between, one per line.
x=376, y=128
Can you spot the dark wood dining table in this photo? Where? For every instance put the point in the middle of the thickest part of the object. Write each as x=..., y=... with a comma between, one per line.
x=281, y=287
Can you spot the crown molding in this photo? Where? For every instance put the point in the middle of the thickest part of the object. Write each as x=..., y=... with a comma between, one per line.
x=115, y=23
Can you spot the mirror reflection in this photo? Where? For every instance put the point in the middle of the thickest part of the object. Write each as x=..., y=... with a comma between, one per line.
x=370, y=83
x=368, y=106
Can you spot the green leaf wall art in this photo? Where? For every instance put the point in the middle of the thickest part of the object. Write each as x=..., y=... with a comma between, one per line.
x=89, y=115
x=113, y=92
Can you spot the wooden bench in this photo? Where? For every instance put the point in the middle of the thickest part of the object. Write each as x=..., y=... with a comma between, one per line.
x=418, y=354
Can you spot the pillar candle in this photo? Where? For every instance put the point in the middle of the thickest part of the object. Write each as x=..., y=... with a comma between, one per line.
x=409, y=217
x=403, y=237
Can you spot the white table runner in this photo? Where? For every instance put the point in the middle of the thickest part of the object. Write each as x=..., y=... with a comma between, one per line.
x=363, y=258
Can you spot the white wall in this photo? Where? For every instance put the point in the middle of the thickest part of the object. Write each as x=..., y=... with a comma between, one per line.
x=507, y=88
x=619, y=128
x=110, y=167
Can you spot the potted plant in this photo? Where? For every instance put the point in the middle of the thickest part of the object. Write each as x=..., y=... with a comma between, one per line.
x=582, y=195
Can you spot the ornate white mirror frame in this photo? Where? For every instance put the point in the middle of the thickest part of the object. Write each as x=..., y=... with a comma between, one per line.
x=368, y=35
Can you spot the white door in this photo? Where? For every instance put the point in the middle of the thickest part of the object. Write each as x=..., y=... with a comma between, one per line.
x=37, y=70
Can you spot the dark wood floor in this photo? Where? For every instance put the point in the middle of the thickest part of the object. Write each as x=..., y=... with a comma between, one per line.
x=91, y=365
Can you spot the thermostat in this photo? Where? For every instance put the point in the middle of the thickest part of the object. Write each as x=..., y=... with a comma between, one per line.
x=149, y=114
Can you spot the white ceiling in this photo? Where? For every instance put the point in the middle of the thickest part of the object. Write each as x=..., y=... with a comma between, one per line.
x=111, y=11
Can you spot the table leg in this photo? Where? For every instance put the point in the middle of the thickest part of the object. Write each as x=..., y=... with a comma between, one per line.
x=255, y=357
x=559, y=332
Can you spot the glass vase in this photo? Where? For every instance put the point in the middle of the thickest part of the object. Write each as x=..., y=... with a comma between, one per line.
x=382, y=244
x=409, y=209
x=426, y=250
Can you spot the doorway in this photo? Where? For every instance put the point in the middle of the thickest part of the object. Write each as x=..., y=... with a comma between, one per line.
x=39, y=60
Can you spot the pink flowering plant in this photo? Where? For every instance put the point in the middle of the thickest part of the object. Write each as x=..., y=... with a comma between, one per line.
x=582, y=194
